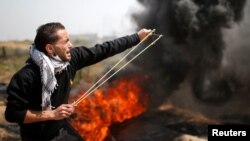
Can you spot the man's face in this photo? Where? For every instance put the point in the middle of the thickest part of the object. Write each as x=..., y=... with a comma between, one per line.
x=63, y=45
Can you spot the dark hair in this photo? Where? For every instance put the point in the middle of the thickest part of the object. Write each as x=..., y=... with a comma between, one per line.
x=46, y=34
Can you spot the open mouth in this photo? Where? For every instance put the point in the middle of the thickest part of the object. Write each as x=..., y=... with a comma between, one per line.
x=68, y=53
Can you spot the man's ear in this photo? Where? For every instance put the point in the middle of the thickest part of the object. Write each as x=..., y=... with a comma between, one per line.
x=49, y=49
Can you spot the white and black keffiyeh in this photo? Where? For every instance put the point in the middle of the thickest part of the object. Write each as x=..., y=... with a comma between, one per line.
x=48, y=67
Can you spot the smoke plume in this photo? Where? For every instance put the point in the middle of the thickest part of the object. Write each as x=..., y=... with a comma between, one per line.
x=193, y=47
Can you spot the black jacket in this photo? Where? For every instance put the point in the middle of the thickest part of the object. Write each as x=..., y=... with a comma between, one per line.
x=24, y=89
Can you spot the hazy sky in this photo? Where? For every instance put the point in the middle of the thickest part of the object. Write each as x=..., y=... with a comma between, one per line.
x=20, y=18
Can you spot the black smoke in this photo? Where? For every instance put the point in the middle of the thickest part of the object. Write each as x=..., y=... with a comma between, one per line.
x=192, y=47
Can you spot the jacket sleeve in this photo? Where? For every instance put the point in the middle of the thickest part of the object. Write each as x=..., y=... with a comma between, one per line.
x=83, y=56
x=17, y=103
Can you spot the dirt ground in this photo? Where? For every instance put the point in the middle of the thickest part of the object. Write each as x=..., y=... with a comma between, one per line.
x=8, y=131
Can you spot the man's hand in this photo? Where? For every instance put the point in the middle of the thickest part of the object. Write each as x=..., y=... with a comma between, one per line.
x=143, y=33
x=63, y=111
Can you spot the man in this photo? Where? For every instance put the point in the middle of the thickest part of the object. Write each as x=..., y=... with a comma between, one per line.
x=38, y=93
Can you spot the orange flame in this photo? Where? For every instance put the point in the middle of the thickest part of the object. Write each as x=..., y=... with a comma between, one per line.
x=96, y=113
